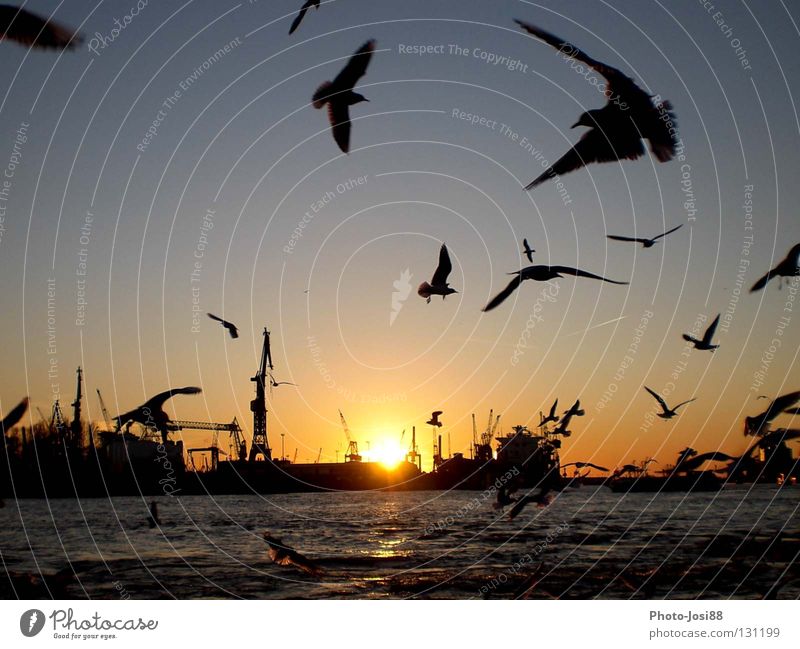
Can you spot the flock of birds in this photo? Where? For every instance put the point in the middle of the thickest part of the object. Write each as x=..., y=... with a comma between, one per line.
x=616, y=131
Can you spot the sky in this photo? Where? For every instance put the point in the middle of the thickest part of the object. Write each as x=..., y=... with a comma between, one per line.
x=176, y=166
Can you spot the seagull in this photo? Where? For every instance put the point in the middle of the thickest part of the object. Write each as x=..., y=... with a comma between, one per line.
x=306, y=6
x=618, y=128
x=542, y=498
x=646, y=243
x=552, y=416
x=13, y=417
x=581, y=465
x=758, y=425
x=339, y=95
x=627, y=468
x=283, y=555
x=527, y=250
x=275, y=383
x=540, y=274
x=151, y=413
x=575, y=410
x=668, y=413
x=434, y=420
x=705, y=343
x=29, y=29
x=698, y=460
x=504, y=498
x=789, y=267
x=232, y=329
x=438, y=285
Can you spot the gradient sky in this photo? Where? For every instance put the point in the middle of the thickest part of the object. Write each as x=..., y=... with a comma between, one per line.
x=244, y=141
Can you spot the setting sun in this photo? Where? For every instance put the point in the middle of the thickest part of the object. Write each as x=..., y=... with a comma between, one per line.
x=386, y=451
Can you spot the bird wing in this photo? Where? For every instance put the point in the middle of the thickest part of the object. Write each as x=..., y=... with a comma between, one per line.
x=214, y=317
x=356, y=67
x=779, y=405
x=11, y=419
x=596, y=466
x=553, y=408
x=503, y=295
x=713, y=456
x=690, y=339
x=444, y=268
x=664, y=234
x=792, y=411
x=709, y=334
x=761, y=283
x=658, y=398
x=29, y=29
x=566, y=270
x=528, y=250
x=594, y=146
x=620, y=238
x=232, y=329
x=618, y=83
x=683, y=403
x=339, y=117
x=299, y=18
x=162, y=397
x=436, y=413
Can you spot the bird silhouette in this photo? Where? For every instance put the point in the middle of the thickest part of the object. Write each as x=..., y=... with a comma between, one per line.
x=618, y=128
x=646, y=243
x=581, y=465
x=690, y=464
x=540, y=274
x=151, y=412
x=543, y=497
x=283, y=555
x=26, y=28
x=527, y=250
x=232, y=329
x=306, y=6
x=434, y=420
x=275, y=383
x=552, y=416
x=13, y=417
x=667, y=412
x=153, y=520
x=704, y=344
x=504, y=498
x=575, y=410
x=758, y=425
x=339, y=95
x=438, y=284
x=789, y=267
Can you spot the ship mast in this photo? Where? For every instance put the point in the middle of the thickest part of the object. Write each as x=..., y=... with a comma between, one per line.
x=75, y=425
x=260, y=445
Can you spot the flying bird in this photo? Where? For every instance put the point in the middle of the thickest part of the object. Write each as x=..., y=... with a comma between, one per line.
x=698, y=460
x=618, y=128
x=667, y=412
x=527, y=250
x=434, y=420
x=627, y=468
x=275, y=383
x=539, y=274
x=438, y=284
x=151, y=412
x=504, y=498
x=306, y=6
x=13, y=417
x=758, y=425
x=339, y=95
x=575, y=410
x=26, y=28
x=789, y=267
x=705, y=343
x=552, y=416
x=542, y=498
x=581, y=465
x=283, y=555
x=232, y=329
x=646, y=243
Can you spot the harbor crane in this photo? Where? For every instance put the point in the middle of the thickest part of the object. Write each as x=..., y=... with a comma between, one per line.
x=352, y=454
x=237, y=444
x=76, y=431
x=258, y=406
x=104, y=410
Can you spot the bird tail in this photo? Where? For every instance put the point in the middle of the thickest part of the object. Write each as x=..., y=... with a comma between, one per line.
x=664, y=142
x=322, y=95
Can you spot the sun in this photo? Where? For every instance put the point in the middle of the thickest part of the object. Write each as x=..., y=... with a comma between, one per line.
x=387, y=451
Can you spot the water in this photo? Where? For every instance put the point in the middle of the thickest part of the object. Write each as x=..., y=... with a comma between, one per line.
x=589, y=542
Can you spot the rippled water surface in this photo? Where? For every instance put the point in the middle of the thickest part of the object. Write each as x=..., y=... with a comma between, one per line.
x=589, y=542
